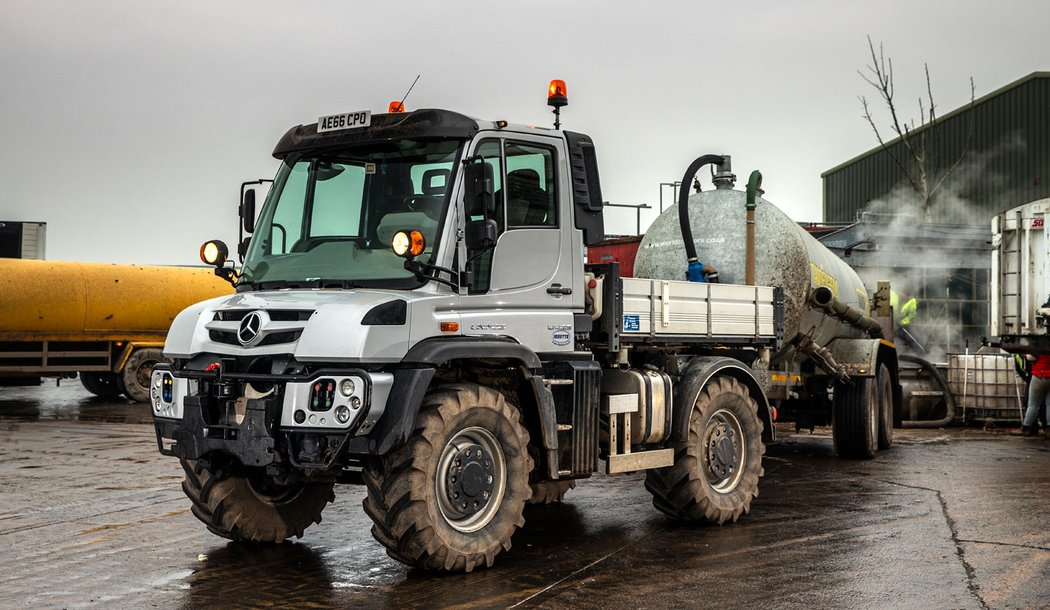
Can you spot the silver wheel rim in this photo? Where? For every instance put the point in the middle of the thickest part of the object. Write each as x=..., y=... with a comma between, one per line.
x=723, y=452
x=470, y=488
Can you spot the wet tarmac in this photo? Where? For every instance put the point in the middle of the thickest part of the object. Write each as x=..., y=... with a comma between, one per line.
x=92, y=516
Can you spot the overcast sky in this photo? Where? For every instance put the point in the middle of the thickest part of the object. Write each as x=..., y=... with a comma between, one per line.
x=128, y=126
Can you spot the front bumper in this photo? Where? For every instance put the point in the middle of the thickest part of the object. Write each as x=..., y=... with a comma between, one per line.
x=259, y=420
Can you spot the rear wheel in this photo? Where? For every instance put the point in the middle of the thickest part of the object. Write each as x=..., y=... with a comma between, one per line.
x=884, y=392
x=451, y=498
x=855, y=420
x=134, y=379
x=254, y=509
x=716, y=470
x=101, y=384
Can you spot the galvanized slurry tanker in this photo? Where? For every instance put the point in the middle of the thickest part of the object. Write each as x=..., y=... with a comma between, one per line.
x=829, y=340
x=413, y=314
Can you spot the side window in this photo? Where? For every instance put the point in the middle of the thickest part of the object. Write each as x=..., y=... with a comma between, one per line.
x=530, y=193
x=337, y=198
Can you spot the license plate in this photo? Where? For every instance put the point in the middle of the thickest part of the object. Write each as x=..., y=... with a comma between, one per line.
x=349, y=120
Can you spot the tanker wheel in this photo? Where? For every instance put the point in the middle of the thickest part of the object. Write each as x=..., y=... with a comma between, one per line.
x=134, y=379
x=716, y=470
x=452, y=496
x=550, y=492
x=855, y=418
x=101, y=384
x=884, y=392
x=254, y=509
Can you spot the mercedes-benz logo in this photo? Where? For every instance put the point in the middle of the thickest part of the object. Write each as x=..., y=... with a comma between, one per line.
x=250, y=329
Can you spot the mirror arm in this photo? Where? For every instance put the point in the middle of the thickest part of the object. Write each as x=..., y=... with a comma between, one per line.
x=417, y=268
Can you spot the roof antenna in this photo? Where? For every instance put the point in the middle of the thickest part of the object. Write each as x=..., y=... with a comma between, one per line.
x=401, y=105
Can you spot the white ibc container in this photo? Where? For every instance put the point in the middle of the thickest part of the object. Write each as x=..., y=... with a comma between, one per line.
x=986, y=388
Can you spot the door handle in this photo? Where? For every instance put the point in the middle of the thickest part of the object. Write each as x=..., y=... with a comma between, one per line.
x=557, y=289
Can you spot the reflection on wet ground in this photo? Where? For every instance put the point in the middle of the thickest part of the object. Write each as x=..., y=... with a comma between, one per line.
x=94, y=517
x=68, y=402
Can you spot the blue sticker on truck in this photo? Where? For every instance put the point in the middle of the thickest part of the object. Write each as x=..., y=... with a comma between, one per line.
x=632, y=322
x=561, y=337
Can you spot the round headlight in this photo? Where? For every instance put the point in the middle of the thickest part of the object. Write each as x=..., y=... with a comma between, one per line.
x=346, y=387
x=214, y=253
x=342, y=414
x=401, y=243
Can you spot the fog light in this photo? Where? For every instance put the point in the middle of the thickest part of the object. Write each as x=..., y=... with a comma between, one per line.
x=355, y=402
x=300, y=417
x=342, y=414
x=346, y=387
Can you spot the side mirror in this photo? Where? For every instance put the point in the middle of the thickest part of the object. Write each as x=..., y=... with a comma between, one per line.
x=478, y=196
x=480, y=235
x=247, y=211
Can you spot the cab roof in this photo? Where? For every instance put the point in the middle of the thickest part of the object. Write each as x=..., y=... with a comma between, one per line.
x=425, y=123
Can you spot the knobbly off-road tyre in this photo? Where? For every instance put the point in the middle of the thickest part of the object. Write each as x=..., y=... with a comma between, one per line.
x=550, y=492
x=101, y=384
x=134, y=379
x=715, y=474
x=412, y=490
x=248, y=510
x=855, y=419
x=884, y=394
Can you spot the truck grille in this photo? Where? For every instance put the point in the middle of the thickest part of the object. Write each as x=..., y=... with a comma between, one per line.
x=284, y=326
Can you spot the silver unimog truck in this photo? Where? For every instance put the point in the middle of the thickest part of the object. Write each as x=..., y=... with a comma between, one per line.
x=413, y=313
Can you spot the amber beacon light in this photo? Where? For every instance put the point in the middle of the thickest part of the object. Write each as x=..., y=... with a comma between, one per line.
x=396, y=106
x=557, y=96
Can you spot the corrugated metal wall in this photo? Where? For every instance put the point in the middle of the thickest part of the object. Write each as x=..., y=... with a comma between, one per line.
x=1008, y=162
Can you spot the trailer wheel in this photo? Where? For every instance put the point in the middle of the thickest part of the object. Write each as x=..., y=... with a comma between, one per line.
x=101, y=384
x=716, y=470
x=255, y=509
x=134, y=379
x=884, y=392
x=855, y=418
x=550, y=492
x=452, y=496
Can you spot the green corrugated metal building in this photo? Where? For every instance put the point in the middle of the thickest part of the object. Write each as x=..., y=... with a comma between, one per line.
x=1008, y=162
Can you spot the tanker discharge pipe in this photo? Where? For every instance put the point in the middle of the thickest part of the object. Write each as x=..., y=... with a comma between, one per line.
x=695, y=269
x=754, y=186
x=822, y=298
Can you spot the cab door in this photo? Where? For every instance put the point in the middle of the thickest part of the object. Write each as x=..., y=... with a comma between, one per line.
x=524, y=287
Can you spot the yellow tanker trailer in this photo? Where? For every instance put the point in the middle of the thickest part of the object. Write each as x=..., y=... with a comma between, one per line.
x=106, y=322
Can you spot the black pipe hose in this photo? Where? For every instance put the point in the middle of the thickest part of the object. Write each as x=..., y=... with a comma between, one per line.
x=683, y=201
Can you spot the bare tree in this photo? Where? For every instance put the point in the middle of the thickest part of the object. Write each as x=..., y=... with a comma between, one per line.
x=917, y=156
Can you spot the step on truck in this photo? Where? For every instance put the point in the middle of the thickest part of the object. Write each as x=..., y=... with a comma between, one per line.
x=413, y=313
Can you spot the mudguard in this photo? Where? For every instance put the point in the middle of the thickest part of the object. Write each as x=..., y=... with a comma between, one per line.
x=698, y=372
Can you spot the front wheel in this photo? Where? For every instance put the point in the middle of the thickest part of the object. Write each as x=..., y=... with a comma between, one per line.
x=452, y=496
x=716, y=470
x=254, y=509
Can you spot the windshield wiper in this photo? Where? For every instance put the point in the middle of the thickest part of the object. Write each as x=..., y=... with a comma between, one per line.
x=311, y=283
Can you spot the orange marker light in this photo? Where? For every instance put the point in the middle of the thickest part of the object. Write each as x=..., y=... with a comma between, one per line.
x=450, y=327
x=557, y=94
x=396, y=106
x=418, y=243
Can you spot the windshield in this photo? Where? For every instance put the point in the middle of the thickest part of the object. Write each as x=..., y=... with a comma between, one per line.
x=330, y=216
